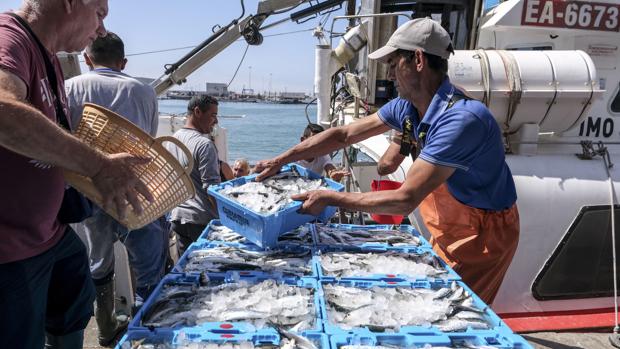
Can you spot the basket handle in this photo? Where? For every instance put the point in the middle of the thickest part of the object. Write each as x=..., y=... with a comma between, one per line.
x=188, y=155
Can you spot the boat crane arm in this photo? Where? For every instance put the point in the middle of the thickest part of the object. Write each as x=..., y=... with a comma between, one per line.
x=247, y=27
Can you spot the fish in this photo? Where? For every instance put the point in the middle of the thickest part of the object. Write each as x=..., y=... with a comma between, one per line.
x=299, y=341
x=255, y=303
x=455, y=324
x=295, y=262
x=330, y=235
x=381, y=309
x=360, y=264
x=274, y=193
x=301, y=235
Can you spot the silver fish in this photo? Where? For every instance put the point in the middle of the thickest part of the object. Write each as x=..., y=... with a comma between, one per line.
x=381, y=309
x=285, y=305
x=226, y=258
x=359, y=264
x=331, y=235
x=272, y=194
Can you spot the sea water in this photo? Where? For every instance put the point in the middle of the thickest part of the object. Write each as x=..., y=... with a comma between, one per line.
x=267, y=129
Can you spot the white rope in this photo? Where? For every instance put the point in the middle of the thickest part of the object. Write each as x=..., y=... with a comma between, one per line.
x=513, y=75
x=486, y=76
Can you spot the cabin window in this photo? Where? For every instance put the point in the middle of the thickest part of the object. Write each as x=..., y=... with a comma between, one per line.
x=615, y=103
x=581, y=265
x=541, y=47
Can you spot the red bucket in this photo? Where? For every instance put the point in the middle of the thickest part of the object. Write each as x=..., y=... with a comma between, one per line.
x=385, y=185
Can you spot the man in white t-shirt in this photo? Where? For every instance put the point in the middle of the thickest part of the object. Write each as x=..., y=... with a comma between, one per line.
x=106, y=85
x=323, y=162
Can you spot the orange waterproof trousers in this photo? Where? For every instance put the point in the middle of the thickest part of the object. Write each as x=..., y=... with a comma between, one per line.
x=477, y=244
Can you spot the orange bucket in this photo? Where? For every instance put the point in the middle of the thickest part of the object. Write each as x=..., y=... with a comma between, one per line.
x=385, y=185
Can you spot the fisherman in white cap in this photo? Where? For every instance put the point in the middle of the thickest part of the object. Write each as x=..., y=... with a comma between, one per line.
x=460, y=180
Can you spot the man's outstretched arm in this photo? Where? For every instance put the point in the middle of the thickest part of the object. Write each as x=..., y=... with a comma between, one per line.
x=27, y=131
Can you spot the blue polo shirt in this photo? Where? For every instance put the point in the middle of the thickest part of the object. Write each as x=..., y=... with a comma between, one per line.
x=465, y=137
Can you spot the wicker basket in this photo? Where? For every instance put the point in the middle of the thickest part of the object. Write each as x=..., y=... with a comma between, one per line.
x=167, y=180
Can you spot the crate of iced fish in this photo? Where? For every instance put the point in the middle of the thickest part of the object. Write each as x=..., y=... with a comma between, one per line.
x=216, y=231
x=417, y=308
x=429, y=341
x=328, y=235
x=382, y=262
x=242, y=304
x=221, y=338
x=223, y=258
x=262, y=211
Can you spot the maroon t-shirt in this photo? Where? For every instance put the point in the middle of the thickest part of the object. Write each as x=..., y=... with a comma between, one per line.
x=30, y=191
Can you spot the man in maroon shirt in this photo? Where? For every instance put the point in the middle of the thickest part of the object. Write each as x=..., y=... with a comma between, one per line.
x=46, y=292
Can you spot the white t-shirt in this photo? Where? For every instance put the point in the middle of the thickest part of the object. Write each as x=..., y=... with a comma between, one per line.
x=317, y=165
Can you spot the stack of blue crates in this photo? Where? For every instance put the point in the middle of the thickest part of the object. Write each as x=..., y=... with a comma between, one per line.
x=325, y=334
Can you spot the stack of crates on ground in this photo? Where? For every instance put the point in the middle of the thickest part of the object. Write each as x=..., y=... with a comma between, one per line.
x=177, y=315
x=317, y=286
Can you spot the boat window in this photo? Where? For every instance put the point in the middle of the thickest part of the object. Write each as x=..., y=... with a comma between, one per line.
x=581, y=266
x=530, y=48
x=615, y=103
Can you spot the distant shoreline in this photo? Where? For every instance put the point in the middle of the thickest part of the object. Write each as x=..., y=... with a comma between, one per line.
x=265, y=101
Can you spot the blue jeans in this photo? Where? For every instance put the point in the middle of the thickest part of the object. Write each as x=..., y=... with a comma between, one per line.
x=52, y=292
x=146, y=248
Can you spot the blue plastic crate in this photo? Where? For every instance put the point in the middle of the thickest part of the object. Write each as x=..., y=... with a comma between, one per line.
x=264, y=229
x=496, y=325
x=450, y=274
x=195, y=281
x=224, y=332
x=207, y=236
x=216, y=335
x=408, y=229
x=199, y=334
x=148, y=337
x=205, y=245
x=207, y=333
x=497, y=340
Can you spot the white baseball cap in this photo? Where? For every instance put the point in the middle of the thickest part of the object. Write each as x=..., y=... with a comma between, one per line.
x=420, y=33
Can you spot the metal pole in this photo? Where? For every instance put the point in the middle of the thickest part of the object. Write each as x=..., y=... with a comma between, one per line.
x=350, y=12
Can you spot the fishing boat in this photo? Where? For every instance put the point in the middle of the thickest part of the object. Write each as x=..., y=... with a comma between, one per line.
x=548, y=70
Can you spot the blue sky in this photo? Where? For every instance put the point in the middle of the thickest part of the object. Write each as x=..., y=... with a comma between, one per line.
x=151, y=25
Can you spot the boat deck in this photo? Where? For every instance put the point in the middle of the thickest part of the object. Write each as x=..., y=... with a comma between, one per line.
x=540, y=340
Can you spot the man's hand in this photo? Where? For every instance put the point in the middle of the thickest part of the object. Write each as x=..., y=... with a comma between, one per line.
x=337, y=175
x=266, y=168
x=118, y=184
x=314, y=201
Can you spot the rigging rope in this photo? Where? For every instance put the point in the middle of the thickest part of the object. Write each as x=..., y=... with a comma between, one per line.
x=239, y=66
x=612, y=196
x=188, y=47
